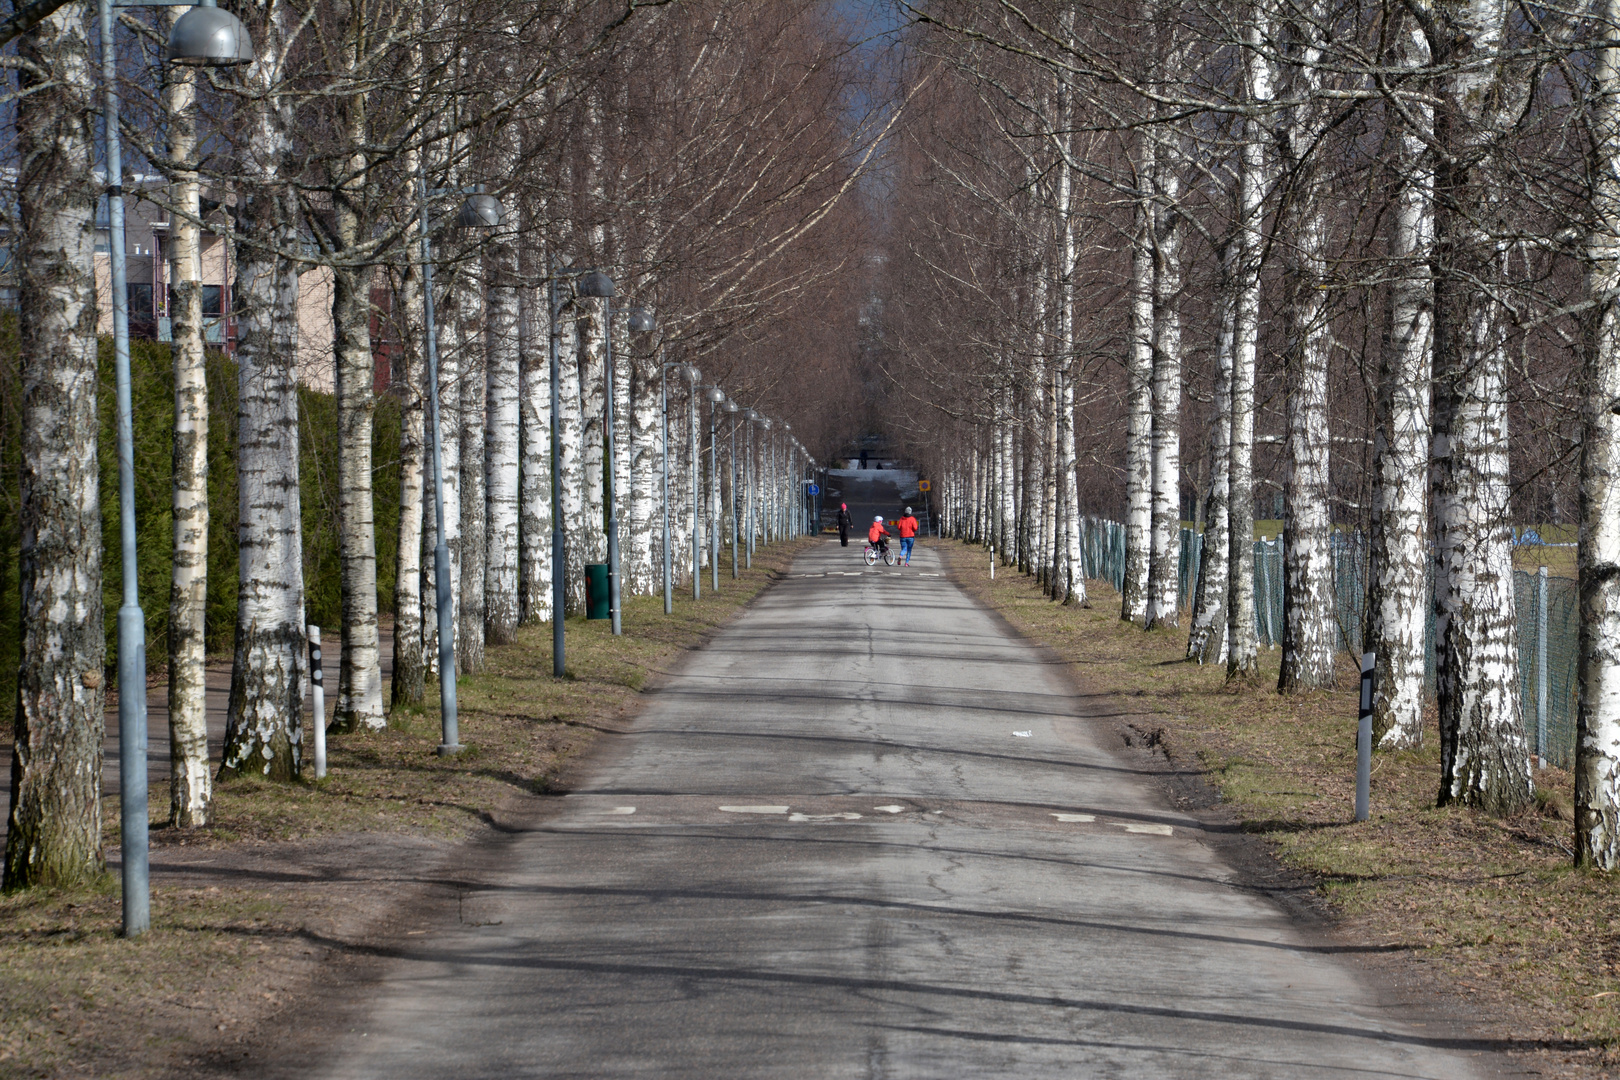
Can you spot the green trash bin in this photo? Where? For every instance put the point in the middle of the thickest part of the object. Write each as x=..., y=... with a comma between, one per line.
x=598, y=600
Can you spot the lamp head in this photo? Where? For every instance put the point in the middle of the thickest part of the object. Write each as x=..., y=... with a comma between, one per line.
x=480, y=211
x=765, y=422
x=641, y=322
x=596, y=283
x=693, y=375
x=716, y=395
x=731, y=406
x=209, y=37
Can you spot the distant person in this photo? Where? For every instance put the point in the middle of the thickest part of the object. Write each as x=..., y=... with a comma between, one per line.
x=863, y=459
x=845, y=523
x=878, y=536
x=907, y=528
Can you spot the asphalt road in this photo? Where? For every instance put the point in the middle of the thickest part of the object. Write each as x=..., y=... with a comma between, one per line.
x=867, y=832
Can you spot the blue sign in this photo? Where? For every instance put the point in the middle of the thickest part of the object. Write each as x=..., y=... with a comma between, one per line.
x=812, y=489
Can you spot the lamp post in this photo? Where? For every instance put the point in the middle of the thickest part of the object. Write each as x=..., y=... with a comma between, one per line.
x=592, y=283
x=732, y=409
x=477, y=212
x=716, y=397
x=203, y=37
x=663, y=375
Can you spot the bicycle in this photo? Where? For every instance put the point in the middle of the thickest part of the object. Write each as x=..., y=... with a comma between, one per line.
x=871, y=556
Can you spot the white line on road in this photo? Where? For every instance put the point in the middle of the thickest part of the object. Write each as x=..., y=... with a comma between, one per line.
x=622, y=810
x=755, y=809
x=1152, y=830
x=890, y=809
x=1075, y=817
x=845, y=816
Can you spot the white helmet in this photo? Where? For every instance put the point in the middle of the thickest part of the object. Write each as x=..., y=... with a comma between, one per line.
x=908, y=509
x=878, y=519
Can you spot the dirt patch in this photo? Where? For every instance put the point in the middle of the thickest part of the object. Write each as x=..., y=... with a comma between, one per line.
x=276, y=903
x=1482, y=922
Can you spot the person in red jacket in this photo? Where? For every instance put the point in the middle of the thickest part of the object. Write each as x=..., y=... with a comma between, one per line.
x=878, y=536
x=907, y=528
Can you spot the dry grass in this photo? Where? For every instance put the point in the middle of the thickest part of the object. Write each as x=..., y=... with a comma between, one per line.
x=1492, y=906
x=78, y=1000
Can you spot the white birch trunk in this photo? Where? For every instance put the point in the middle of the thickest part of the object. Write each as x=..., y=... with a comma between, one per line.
x=1209, y=618
x=53, y=836
x=646, y=491
x=1139, y=398
x=534, y=515
x=572, y=467
x=359, y=696
x=408, y=684
x=1597, y=743
x=1242, y=641
x=472, y=312
x=1399, y=564
x=190, y=783
x=450, y=393
x=1483, y=751
x=1309, y=623
x=264, y=716
x=502, y=446
x=1164, y=565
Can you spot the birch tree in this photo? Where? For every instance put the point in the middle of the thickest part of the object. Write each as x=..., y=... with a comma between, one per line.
x=53, y=835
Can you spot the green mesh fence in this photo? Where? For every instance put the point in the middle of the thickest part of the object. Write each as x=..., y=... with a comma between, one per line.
x=1547, y=607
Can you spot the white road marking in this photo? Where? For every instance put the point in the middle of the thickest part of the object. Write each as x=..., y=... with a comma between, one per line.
x=755, y=809
x=845, y=816
x=1152, y=830
x=929, y=575
x=890, y=809
x=622, y=810
x=1075, y=817
x=1022, y=734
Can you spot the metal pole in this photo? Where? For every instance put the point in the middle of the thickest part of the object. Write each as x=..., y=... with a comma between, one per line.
x=714, y=502
x=697, y=549
x=559, y=551
x=663, y=397
x=450, y=736
x=731, y=464
x=1364, y=739
x=317, y=699
x=609, y=484
x=133, y=813
x=1541, y=665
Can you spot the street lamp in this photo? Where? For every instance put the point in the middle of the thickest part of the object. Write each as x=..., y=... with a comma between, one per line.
x=203, y=37
x=478, y=211
x=716, y=398
x=692, y=375
x=591, y=283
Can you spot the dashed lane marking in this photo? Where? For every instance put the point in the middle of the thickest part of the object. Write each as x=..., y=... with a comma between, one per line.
x=1075, y=817
x=1151, y=830
x=754, y=809
x=889, y=809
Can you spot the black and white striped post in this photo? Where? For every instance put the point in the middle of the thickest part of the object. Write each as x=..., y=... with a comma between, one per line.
x=1364, y=739
x=318, y=696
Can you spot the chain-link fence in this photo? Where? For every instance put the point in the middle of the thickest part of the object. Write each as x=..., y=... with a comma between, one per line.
x=1548, y=620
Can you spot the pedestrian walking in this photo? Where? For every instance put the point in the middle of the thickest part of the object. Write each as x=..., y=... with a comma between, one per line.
x=845, y=523
x=907, y=527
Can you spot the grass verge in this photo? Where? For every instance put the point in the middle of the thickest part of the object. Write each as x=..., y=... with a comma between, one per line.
x=1492, y=908
x=78, y=1000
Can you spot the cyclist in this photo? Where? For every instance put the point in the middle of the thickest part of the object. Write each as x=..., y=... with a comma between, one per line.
x=878, y=536
x=907, y=528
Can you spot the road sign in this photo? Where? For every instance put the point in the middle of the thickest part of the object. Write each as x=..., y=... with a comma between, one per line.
x=925, y=485
x=812, y=489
